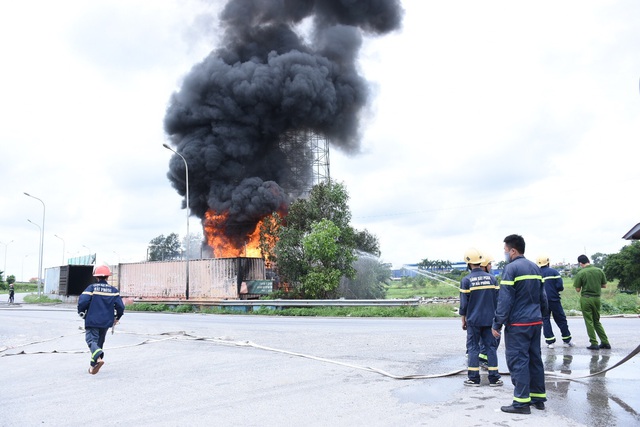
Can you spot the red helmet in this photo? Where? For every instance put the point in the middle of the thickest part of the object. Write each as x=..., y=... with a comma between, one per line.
x=101, y=271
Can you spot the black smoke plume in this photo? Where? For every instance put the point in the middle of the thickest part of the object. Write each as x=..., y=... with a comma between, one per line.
x=266, y=80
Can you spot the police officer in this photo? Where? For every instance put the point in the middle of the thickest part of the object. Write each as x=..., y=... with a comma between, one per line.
x=521, y=304
x=589, y=282
x=97, y=304
x=478, y=297
x=553, y=285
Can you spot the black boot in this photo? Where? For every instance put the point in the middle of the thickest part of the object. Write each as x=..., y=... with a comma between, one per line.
x=516, y=410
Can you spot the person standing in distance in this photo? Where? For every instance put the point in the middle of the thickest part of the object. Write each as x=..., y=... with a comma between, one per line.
x=553, y=285
x=589, y=283
x=521, y=305
x=96, y=305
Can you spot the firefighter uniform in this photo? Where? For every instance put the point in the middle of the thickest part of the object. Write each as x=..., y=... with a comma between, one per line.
x=521, y=304
x=98, y=302
x=553, y=285
x=478, y=299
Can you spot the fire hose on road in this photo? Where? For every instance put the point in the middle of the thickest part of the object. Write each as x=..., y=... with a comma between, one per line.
x=182, y=335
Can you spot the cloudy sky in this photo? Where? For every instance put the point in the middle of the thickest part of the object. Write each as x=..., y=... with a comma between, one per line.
x=487, y=118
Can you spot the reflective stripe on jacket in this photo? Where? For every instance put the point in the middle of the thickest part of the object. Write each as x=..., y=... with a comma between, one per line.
x=521, y=299
x=553, y=283
x=99, y=301
x=478, y=297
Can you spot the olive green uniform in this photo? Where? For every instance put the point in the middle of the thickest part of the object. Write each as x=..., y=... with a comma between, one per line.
x=590, y=280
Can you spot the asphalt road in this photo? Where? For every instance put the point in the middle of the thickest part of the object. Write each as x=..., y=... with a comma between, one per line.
x=190, y=369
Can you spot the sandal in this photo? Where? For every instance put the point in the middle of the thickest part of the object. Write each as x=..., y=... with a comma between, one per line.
x=94, y=369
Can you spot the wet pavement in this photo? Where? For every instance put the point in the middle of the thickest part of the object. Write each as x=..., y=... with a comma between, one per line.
x=263, y=371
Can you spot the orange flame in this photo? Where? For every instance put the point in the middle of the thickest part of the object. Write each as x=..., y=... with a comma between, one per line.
x=222, y=245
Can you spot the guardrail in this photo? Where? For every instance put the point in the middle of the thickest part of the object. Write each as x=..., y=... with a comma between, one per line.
x=290, y=302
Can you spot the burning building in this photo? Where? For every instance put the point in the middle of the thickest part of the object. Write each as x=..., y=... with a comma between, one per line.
x=285, y=69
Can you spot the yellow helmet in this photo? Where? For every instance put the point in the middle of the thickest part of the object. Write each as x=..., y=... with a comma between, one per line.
x=486, y=260
x=542, y=260
x=473, y=256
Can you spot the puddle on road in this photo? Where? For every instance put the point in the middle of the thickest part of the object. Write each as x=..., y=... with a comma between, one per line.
x=434, y=390
x=580, y=365
x=610, y=399
x=431, y=391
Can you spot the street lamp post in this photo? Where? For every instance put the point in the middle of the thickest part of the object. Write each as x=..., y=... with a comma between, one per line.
x=41, y=240
x=186, y=171
x=5, y=257
x=39, y=259
x=62, y=248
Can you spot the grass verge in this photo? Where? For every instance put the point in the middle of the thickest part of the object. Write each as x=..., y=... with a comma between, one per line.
x=431, y=310
x=42, y=299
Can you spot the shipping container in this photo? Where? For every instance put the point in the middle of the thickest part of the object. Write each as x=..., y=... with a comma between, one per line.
x=68, y=280
x=209, y=279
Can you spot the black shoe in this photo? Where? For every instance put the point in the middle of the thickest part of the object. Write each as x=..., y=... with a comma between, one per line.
x=593, y=347
x=516, y=410
x=538, y=405
x=605, y=346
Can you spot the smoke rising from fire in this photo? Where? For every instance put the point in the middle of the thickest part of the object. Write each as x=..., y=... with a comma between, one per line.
x=264, y=81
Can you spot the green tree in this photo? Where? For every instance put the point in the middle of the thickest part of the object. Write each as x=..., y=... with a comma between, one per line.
x=425, y=264
x=599, y=259
x=163, y=248
x=625, y=266
x=367, y=242
x=325, y=257
x=315, y=267
x=11, y=279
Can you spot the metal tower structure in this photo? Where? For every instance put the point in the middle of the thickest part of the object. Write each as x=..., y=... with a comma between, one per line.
x=307, y=154
x=320, y=149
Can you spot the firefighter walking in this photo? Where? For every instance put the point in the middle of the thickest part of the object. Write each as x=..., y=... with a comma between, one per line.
x=521, y=305
x=97, y=304
x=553, y=285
